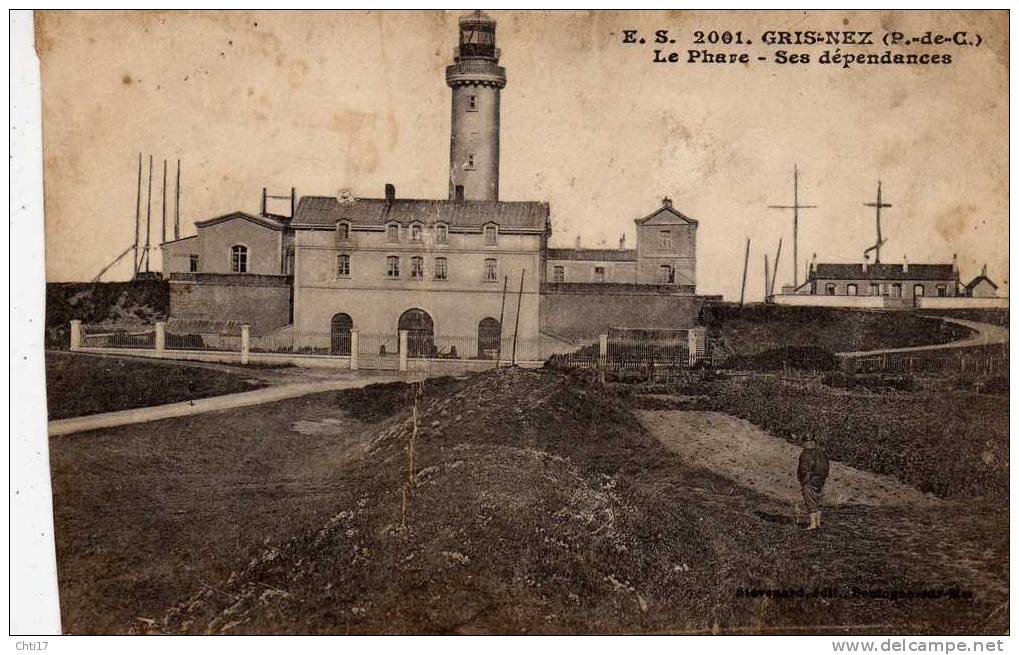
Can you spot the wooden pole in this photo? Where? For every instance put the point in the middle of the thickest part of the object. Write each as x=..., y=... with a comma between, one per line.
x=293, y=201
x=176, y=207
x=766, y=285
x=502, y=312
x=516, y=327
x=148, y=218
x=743, y=286
x=163, y=238
x=138, y=217
x=774, y=272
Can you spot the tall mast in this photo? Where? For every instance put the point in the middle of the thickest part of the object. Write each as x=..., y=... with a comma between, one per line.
x=148, y=217
x=163, y=236
x=877, y=205
x=176, y=207
x=796, y=207
x=138, y=216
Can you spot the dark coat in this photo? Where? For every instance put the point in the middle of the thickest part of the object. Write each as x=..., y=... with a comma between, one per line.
x=813, y=468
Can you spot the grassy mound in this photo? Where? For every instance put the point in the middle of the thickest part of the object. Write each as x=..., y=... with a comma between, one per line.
x=126, y=303
x=753, y=329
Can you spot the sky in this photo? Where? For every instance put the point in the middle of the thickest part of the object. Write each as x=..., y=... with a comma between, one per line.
x=323, y=101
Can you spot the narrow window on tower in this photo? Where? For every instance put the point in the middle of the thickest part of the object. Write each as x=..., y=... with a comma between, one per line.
x=343, y=266
x=491, y=270
x=470, y=160
x=472, y=103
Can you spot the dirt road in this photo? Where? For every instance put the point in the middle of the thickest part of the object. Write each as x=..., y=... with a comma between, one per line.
x=746, y=454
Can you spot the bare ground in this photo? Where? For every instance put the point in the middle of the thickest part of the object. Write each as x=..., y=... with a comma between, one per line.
x=744, y=453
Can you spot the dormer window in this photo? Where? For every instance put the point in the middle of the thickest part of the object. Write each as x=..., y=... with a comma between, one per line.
x=392, y=233
x=442, y=234
x=342, y=230
x=491, y=235
x=415, y=232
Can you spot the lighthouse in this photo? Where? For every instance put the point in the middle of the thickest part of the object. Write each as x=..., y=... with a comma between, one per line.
x=476, y=78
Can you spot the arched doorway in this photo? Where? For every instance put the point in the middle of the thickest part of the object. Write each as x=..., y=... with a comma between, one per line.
x=420, y=333
x=489, y=336
x=339, y=334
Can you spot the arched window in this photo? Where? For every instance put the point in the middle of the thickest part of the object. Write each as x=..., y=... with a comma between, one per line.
x=896, y=290
x=239, y=259
x=829, y=289
x=420, y=333
x=339, y=334
x=441, y=234
x=918, y=291
x=491, y=235
x=489, y=338
x=415, y=232
x=417, y=268
x=850, y=289
x=342, y=231
x=342, y=265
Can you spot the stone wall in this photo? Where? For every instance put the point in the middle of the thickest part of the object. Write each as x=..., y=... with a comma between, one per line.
x=585, y=313
x=261, y=301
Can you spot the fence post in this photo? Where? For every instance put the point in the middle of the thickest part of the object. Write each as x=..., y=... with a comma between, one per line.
x=603, y=356
x=403, y=350
x=696, y=338
x=160, y=336
x=353, y=350
x=245, y=343
x=75, y=334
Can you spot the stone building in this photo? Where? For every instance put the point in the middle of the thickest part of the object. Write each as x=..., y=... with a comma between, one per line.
x=436, y=268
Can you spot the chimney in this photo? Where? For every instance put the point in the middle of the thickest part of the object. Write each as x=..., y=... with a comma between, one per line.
x=983, y=271
x=866, y=262
x=459, y=192
x=577, y=246
x=905, y=264
x=622, y=242
x=667, y=202
x=390, y=193
x=955, y=263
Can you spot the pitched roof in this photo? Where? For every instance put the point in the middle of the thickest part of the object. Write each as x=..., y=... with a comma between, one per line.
x=884, y=272
x=666, y=213
x=324, y=211
x=981, y=278
x=264, y=221
x=586, y=254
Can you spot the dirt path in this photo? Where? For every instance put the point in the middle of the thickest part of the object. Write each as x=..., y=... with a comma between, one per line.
x=746, y=454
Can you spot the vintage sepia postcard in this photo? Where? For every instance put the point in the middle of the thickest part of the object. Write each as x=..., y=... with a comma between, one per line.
x=499, y=322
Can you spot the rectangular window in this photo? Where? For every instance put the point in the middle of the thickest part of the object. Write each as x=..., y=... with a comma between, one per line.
x=415, y=232
x=193, y=264
x=239, y=259
x=875, y=289
x=472, y=103
x=665, y=240
x=393, y=233
x=491, y=235
x=417, y=268
x=942, y=291
x=440, y=268
x=392, y=266
x=441, y=234
x=558, y=274
x=342, y=231
x=343, y=266
x=491, y=270
x=850, y=289
x=599, y=273
x=470, y=160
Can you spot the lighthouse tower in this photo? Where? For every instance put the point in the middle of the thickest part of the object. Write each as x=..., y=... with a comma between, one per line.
x=476, y=79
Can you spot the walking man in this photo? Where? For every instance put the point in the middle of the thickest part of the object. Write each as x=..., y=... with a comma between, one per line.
x=812, y=472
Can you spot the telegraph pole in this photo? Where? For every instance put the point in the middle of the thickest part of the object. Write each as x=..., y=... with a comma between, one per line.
x=516, y=327
x=743, y=286
x=148, y=218
x=138, y=217
x=796, y=207
x=176, y=207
